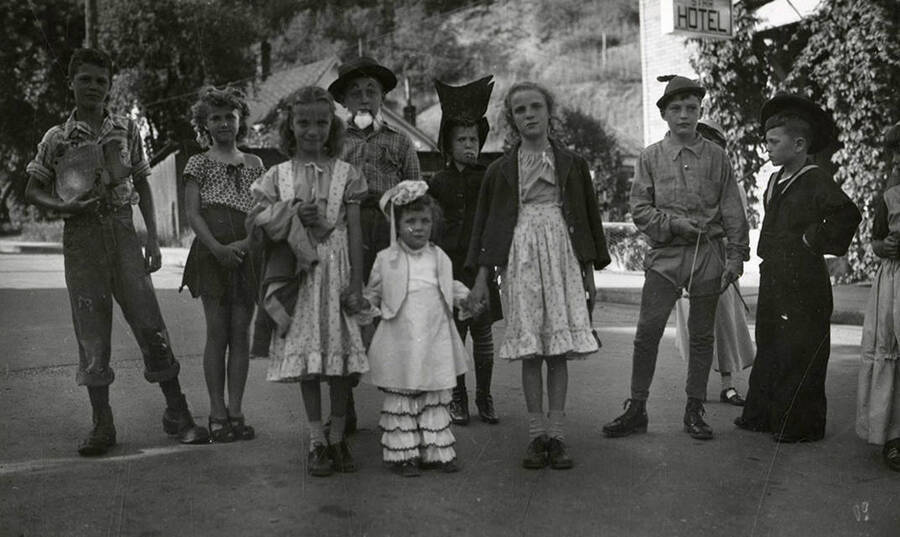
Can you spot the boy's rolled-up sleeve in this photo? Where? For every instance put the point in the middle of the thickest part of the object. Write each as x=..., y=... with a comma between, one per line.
x=41, y=166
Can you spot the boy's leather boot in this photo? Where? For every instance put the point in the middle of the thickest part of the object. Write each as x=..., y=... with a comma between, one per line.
x=693, y=420
x=459, y=406
x=102, y=436
x=634, y=420
x=177, y=421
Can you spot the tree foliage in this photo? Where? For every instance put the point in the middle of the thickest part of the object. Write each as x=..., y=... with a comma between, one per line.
x=589, y=138
x=37, y=40
x=409, y=37
x=168, y=49
x=857, y=82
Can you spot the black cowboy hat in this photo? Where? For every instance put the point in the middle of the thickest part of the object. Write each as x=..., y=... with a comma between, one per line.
x=824, y=129
x=359, y=67
x=678, y=85
x=464, y=104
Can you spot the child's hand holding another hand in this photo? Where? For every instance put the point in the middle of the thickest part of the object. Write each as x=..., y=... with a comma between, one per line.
x=353, y=302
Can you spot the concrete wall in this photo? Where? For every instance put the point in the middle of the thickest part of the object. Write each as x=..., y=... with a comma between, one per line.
x=164, y=186
x=661, y=54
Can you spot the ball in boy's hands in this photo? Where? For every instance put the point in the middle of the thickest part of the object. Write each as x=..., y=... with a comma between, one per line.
x=308, y=213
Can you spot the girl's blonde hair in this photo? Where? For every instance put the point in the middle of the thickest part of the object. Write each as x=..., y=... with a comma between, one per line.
x=310, y=95
x=513, y=137
x=212, y=97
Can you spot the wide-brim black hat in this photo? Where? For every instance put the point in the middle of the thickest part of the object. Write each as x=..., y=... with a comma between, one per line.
x=824, y=130
x=678, y=85
x=360, y=67
x=465, y=104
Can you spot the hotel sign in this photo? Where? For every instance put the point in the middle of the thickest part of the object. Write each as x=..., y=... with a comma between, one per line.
x=710, y=19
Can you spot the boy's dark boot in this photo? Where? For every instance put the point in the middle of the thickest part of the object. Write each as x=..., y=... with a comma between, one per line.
x=693, y=420
x=102, y=436
x=177, y=421
x=634, y=420
x=483, y=400
x=459, y=405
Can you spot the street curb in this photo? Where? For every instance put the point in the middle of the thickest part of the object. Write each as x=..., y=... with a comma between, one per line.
x=16, y=247
x=632, y=296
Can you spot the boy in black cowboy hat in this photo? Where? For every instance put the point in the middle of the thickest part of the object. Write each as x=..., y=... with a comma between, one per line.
x=384, y=156
x=806, y=215
x=461, y=136
x=685, y=200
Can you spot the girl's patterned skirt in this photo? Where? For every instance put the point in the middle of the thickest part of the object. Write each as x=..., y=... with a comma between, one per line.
x=322, y=340
x=542, y=290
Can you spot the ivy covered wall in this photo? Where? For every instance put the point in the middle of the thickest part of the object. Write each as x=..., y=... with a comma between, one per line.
x=846, y=57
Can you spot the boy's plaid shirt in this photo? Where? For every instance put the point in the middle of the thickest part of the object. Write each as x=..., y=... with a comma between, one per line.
x=74, y=133
x=384, y=156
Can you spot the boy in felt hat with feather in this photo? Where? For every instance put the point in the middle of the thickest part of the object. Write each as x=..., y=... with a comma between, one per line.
x=685, y=199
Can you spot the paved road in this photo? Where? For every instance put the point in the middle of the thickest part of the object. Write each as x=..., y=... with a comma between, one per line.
x=661, y=483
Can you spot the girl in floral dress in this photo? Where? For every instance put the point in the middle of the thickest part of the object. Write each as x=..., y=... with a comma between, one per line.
x=537, y=219
x=308, y=208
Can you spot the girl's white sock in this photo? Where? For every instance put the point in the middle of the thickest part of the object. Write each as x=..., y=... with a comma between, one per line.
x=336, y=431
x=536, y=425
x=316, y=434
x=557, y=419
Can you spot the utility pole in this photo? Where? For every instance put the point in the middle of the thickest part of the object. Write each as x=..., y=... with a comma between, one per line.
x=90, y=24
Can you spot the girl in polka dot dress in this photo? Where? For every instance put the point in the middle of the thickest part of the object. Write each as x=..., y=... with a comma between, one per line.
x=217, y=200
x=311, y=204
x=537, y=219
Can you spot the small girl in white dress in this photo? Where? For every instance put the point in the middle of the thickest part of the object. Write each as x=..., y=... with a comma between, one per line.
x=416, y=352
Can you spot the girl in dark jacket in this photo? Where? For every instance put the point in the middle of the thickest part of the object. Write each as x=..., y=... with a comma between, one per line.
x=537, y=220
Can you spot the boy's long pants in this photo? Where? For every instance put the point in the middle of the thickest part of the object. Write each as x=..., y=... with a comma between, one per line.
x=103, y=260
x=658, y=297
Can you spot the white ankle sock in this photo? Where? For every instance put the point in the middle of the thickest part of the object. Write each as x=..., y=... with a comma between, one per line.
x=556, y=419
x=336, y=431
x=316, y=434
x=536, y=425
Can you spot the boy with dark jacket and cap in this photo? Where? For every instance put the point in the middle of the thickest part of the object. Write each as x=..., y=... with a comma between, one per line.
x=92, y=169
x=807, y=215
x=685, y=200
x=461, y=136
x=384, y=156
